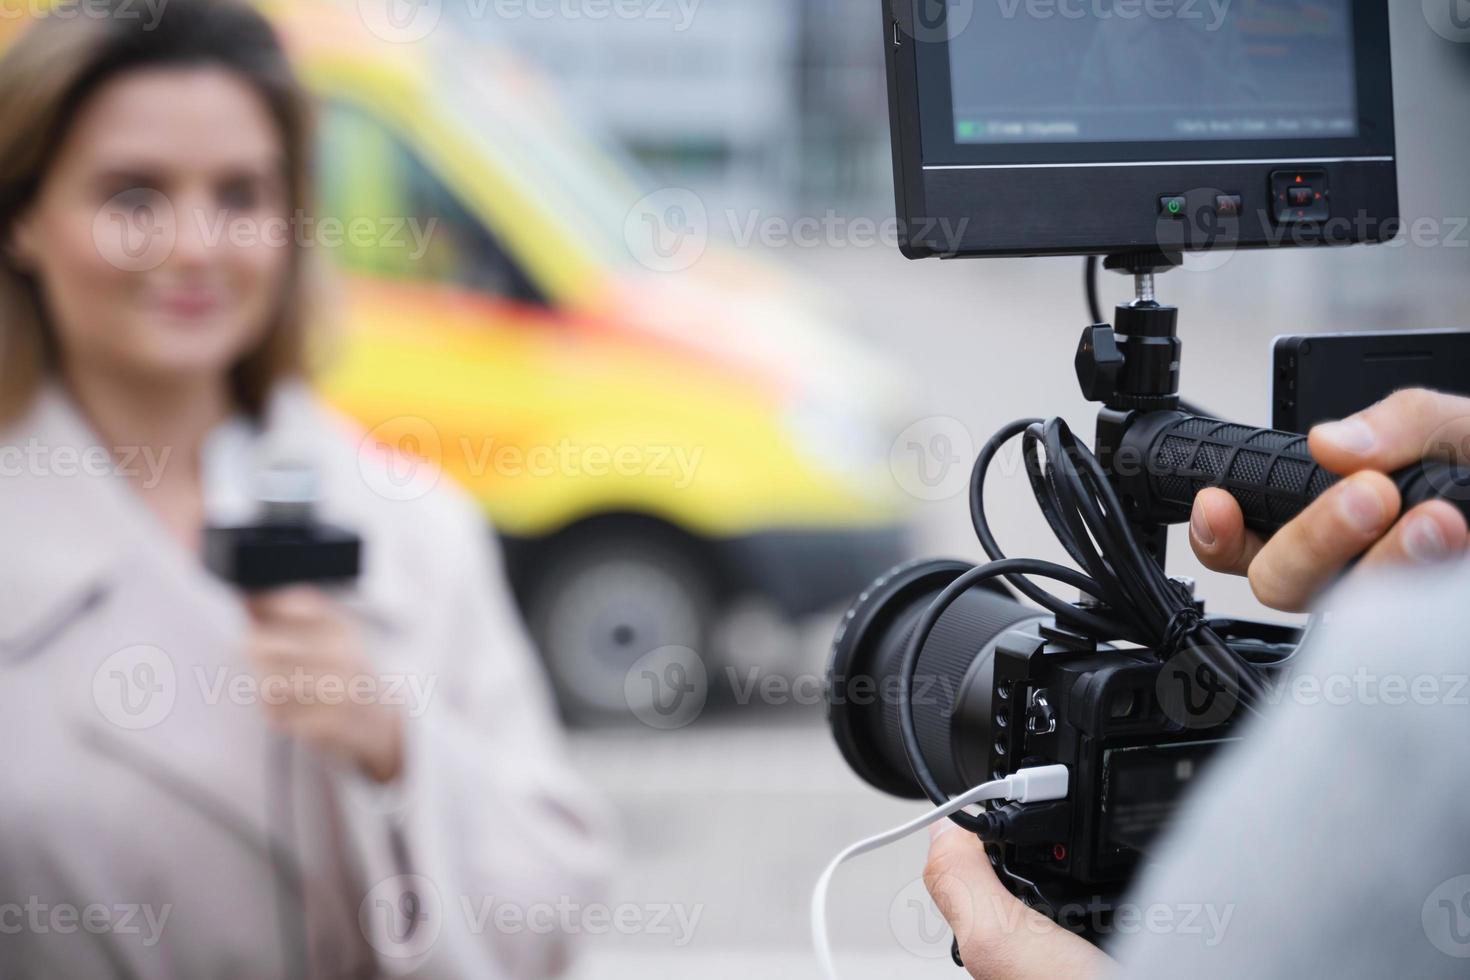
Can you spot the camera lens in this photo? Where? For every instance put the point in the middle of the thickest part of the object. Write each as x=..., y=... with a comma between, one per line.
x=952, y=684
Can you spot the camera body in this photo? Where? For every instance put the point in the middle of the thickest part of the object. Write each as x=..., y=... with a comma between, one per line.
x=1000, y=686
x=1134, y=733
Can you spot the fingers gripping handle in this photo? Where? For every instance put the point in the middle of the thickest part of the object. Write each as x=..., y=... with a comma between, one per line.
x=1166, y=458
x=1169, y=457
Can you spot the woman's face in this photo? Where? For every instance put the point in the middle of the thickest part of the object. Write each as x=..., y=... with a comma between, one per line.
x=160, y=236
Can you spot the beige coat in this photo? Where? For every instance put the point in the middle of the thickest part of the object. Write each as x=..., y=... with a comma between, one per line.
x=152, y=826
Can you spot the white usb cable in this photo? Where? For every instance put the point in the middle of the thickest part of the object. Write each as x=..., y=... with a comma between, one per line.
x=1035, y=785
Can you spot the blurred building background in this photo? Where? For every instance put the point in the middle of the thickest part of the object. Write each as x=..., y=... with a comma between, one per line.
x=754, y=103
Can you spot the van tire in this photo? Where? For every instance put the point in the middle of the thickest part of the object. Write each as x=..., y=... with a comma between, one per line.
x=604, y=599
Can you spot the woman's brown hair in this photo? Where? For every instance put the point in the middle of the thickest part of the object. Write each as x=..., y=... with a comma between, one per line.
x=46, y=77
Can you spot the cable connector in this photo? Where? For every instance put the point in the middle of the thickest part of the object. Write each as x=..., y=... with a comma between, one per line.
x=1037, y=785
x=1027, y=823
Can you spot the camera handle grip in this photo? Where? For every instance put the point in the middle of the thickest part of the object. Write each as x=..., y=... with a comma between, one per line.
x=1165, y=458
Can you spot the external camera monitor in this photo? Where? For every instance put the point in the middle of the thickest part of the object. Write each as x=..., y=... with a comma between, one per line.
x=1054, y=127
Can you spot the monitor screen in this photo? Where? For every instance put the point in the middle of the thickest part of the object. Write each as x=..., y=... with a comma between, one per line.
x=1133, y=71
x=1054, y=127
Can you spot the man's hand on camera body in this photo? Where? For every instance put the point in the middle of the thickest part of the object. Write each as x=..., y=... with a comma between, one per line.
x=1000, y=938
x=1361, y=516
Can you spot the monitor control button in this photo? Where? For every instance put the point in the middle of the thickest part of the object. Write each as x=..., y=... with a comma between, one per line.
x=1300, y=195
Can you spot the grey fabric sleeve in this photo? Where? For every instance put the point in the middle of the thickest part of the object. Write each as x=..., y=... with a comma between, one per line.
x=1334, y=841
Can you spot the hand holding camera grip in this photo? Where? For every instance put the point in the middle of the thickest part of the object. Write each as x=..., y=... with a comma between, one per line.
x=1166, y=458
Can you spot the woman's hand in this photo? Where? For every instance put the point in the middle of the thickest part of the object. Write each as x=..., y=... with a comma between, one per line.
x=1000, y=938
x=1360, y=514
x=317, y=684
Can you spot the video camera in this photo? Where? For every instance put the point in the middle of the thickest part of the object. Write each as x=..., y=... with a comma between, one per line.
x=1136, y=132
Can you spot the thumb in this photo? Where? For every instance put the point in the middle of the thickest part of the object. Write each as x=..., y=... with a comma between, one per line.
x=1404, y=428
x=1000, y=938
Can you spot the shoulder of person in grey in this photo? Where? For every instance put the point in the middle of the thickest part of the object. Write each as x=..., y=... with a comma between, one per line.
x=1331, y=840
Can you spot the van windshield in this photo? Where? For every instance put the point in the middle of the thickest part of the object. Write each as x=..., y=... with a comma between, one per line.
x=576, y=177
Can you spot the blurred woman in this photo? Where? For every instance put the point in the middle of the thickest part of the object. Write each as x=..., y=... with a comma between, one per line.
x=421, y=819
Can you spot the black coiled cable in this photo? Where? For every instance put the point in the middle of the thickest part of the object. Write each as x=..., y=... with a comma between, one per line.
x=1138, y=602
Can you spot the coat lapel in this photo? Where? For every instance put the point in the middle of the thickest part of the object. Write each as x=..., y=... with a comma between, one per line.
x=136, y=643
x=62, y=522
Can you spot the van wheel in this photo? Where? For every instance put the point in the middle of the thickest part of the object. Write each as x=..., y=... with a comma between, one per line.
x=603, y=602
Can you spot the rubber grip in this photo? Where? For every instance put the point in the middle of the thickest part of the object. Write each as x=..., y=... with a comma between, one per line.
x=1270, y=473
